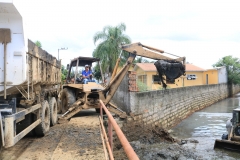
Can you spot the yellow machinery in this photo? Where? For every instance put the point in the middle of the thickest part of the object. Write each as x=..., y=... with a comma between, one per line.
x=77, y=96
x=232, y=140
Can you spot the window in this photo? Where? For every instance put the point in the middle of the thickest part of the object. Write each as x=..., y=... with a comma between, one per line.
x=191, y=77
x=155, y=79
x=143, y=79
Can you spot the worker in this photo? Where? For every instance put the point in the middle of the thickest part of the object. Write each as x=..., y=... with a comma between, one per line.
x=87, y=75
x=229, y=127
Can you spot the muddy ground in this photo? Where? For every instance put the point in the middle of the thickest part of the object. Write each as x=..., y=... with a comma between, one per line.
x=78, y=140
x=156, y=143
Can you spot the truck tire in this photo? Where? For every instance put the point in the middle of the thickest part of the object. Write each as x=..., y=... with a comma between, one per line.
x=44, y=126
x=53, y=111
x=67, y=99
x=59, y=106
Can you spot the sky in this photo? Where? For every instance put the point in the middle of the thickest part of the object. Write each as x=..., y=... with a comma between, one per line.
x=201, y=30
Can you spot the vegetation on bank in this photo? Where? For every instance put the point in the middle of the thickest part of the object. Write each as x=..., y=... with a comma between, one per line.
x=232, y=65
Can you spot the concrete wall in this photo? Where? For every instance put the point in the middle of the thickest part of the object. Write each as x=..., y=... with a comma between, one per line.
x=168, y=107
x=122, y=96
x=222, y=75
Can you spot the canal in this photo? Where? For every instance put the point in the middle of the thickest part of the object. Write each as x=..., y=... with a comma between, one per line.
x=207, y=125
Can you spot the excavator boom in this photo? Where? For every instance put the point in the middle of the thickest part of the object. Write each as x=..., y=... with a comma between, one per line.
x=149, y=52
x=172, y=68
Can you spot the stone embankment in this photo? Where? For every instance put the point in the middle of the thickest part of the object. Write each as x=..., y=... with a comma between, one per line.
x=155, y=110
x=166, y=108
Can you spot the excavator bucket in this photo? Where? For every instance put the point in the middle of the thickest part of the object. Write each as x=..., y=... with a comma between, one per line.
x=171, y=69
x=226, y=144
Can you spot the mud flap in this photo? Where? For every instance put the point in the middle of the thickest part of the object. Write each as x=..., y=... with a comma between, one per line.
x=229, y=145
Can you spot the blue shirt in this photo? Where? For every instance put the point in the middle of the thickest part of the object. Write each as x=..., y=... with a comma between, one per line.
x=86, y=73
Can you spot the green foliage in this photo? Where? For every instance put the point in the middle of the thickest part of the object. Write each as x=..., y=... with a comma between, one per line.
x=64, y=73
x=142, y=86
x=38, y=43
x=233, y=68
x=108, y=50
x=97, y=72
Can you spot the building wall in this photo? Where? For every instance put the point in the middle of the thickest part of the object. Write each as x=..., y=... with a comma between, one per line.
x=222, y=75
x=180, y=82
x=212, y=77
x=197, y=81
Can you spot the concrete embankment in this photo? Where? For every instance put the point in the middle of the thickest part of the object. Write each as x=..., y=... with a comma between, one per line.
x=155, y=110
x=167, y=108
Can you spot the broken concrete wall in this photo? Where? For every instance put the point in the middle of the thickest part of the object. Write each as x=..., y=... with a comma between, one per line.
x=168, y=107
x=122, y=97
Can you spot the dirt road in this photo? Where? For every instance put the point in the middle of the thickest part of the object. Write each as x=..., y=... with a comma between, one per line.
x=80, y=138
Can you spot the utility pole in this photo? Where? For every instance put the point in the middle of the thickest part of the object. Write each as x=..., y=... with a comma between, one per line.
x=61, y=49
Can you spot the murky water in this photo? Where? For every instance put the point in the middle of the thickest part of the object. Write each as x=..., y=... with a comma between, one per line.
x=206, y=126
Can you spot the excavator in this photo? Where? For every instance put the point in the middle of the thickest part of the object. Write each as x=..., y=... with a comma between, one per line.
x=231, y=141
x=76, y=96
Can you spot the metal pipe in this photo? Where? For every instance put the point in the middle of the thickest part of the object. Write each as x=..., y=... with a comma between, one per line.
x=104, y=146
x=126, y=146
x=110, y=135
x=106, y=140
x=28, y=84
x=76, y=71
x=5, y=70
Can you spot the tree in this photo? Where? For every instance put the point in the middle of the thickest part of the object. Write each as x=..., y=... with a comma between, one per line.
x=38, y=43
x=97, y=72
x=64, y=73
x=233, y=68
x=108, y=50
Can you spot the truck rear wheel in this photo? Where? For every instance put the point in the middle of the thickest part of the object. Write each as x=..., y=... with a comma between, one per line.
x=44, y=126
x=67, y=99
x=59, y=106
x=53, y=111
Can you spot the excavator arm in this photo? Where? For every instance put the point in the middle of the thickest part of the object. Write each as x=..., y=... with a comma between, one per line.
x=149, y=52
x=172, y=68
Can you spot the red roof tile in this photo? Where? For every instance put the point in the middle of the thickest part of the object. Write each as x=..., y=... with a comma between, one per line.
x=151, y=67
x=147, y=66
x=191, y=67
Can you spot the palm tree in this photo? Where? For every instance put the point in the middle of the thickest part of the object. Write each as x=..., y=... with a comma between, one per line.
x=108, y=50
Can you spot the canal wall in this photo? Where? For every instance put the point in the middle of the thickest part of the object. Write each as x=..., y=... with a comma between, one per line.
x=166, y=108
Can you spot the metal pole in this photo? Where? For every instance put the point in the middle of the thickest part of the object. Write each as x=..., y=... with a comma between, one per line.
x=126, y=146
x=5, y=70
x=76, y=72
x=110, y=135
x=106, y=140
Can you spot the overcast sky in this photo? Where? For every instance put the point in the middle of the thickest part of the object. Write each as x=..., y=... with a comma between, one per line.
x=201, y=30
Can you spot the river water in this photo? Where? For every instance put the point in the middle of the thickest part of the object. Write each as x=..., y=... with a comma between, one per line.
x=207, y=125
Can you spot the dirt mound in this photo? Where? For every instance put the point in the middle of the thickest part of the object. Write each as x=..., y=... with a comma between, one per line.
x=138, y=131
x=156, y=135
